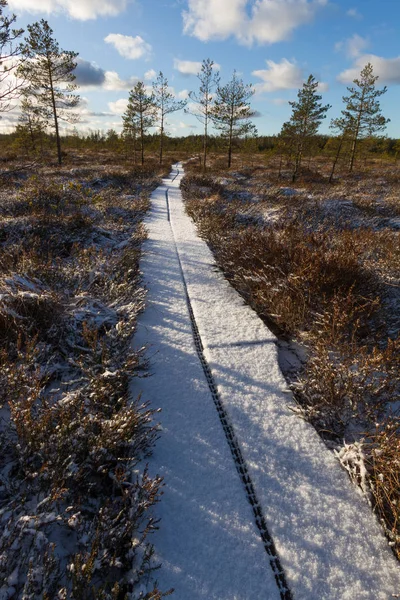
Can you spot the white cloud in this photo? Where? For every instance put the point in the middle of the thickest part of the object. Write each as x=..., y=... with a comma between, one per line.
x=113, y=82
x=353, y=46
x=284, y=75
x=150, y=75
x=187, y=67
x=191, y=67
x=183, y=95
x=322, y=87
x=353, y=12
x=279, y=76
x=213, y=19
x=180, y=128
x=128, y=46
x=77, y=9
x=119, y=106
x=85, y=113
x=262, y=21
x=279, y=101
x=388, y=69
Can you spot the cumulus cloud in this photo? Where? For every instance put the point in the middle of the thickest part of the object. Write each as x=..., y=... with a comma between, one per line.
x=150, y=75
x=387, y=69
x=113, y=82
x=77, y=9
x=191, y=67
x=128, y=46
x=183, y=95
x=284, y=75
x=322, y=86
x=119, y=106
x=84, y=112
x=89, y=75
x=187, y=67
x=180, y=127
x=262, y=21
x=353, y=46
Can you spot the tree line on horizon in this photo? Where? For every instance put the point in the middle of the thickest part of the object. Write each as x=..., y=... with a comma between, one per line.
x=42, y=75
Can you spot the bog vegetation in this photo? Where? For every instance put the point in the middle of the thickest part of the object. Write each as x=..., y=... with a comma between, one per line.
x=75, y=496
x=305, y=226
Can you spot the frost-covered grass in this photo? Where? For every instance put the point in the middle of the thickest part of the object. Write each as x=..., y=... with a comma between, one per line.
x=75, y=495
x=321, y=265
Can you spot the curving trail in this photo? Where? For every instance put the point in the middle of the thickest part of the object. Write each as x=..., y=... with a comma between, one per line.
x=254, y=505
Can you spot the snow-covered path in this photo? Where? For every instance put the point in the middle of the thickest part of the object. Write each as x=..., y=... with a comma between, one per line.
x=209, y=544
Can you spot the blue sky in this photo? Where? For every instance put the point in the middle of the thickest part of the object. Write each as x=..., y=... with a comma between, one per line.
x=273, y=44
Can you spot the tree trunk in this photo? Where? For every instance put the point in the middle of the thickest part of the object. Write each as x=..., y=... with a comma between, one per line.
x=297, y=163
x=58, y=140
x=336, y=159
x=161, y=138
x=142, y=140
x=53, y=102
x=230, y=146
x=354, y=144
x=31, y=134
x=352, y=154
x=205, y=144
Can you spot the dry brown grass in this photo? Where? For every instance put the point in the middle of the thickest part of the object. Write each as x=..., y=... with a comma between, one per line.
x=383, y=463
x=72, y=438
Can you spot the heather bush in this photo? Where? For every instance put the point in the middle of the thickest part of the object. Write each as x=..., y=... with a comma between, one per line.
x=76, y=500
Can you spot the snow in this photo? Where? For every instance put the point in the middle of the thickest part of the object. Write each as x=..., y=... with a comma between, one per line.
x=330, y=545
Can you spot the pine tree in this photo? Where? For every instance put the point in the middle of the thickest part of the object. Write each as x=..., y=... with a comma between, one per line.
x=49, y=74
x=30, y=127
x=130, y=136
x=203, y=100
x=231, y=111
x=140, y=114
x=284, y=145
x=307, y=116
x=9, y=85
x=344, y=129
x=166, y=104
x=362, y=115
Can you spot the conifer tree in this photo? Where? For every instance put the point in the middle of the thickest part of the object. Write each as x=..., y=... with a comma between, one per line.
x=140, y=114
x=49, y=74
x=130, y=136
x=362, y=115
x=307, y=116
x=284, y=145
x=9, y=85
x=204, y=98
x=166, y=104
x=344, y=130
x=30, y=127
x=231, y=111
